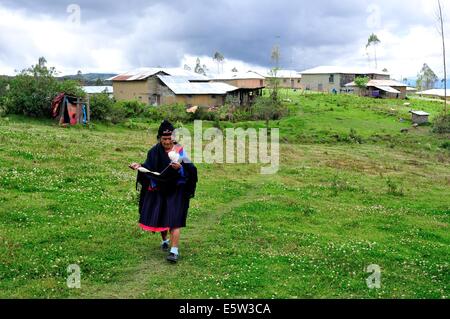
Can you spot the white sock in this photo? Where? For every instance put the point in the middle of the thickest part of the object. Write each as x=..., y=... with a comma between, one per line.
x=174, y=250
x=167, y=241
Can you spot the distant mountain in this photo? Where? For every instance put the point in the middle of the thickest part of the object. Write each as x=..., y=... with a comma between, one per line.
x=91, y=78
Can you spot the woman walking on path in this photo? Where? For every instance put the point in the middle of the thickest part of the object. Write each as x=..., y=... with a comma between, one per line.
x=164, y=196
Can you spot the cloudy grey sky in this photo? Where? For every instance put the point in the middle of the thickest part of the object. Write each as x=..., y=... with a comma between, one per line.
x=116, y=36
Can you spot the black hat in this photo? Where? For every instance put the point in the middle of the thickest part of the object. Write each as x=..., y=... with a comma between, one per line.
x=165, y=129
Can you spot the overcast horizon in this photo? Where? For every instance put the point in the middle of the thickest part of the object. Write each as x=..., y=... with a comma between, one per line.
x=109, y=37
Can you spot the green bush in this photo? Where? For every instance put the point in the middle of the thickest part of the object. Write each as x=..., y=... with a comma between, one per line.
x=32, y=91
x=394, y=188
x=132, y=108
x=446, y=145
x=117, y=114
x=101, y=106
x=3, y=97
x=227, y=113
x=203, y=113
x=441, y=124
x=266, y=109
x=173, y=113
x=70, y=87
x=3, y=109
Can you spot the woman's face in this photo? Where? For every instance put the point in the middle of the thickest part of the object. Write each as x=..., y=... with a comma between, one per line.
x=167, y=142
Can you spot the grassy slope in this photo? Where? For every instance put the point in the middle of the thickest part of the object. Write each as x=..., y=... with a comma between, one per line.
x=67, y=197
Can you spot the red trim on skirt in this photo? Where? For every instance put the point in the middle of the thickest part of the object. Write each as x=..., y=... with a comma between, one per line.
x=154, y=229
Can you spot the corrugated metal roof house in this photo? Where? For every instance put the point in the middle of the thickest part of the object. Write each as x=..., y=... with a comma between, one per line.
x=160, y=86
x=287, y=79
x=435, y=93
x=250, y=85
x=163, y=86
x=180, y=85
x=334, y=78
x=381, y=88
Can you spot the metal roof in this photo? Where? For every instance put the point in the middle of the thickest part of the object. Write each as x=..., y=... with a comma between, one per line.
x=181, y=86
x=97, y=89
x=291, y=74
x=420, y=113
x=377, y=83
x=435, y=92
x=342, y=70
x=144, y=73
x=387, y=89
x=250, y=75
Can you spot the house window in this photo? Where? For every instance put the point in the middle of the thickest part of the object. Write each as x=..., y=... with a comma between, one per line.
x=189, y=96
x=213, y=96
x=298, y=81
x=284, y=81
x=331, y=78
x=261, y=82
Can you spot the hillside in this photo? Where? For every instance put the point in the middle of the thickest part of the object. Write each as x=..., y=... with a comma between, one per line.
x=91, y=78
x=352, y=191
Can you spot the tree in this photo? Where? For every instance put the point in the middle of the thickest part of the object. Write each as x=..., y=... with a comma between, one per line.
x=4, y=84
x=441, y=30
x=234, y=70
x=373, y=41
x=426, y=79
x=99, y=82
x=4, y=88
x=205, y=69
x=274, y=81
x=80, y=77
x=70, y=87
x=187, y=67
x=265, y=109
x=219, y=58
x=361, y=83
x=198, y=68
x=275, y=56
x=41, y=62
x=101, y=106
x=32, y=90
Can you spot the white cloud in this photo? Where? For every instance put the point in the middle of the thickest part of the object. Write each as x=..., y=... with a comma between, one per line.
x=171, y=33
x=66, y=46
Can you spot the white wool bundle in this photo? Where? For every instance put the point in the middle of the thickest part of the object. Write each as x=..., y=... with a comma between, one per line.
x=174, y=157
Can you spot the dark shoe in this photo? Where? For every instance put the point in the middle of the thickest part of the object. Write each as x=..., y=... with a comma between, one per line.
x=172, y=258
x=165, y=247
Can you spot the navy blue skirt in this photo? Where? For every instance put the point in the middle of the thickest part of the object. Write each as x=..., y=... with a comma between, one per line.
x=164, y=211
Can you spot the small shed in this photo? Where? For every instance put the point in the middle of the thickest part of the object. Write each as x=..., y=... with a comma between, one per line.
x=419, y=117
x=70, y=110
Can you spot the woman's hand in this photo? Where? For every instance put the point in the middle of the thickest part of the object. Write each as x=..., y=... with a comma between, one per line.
x=135, y=166
x=176, y=166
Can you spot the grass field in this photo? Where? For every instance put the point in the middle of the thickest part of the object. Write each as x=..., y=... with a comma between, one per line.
x=352, y=191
